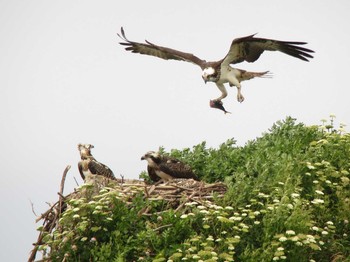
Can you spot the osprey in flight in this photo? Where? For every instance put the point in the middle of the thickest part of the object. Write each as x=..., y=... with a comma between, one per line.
x=89, y=165
x=166, y=168
x=247, y=48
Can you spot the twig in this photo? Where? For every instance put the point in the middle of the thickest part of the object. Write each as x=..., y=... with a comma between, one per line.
x=50, y=223
x=183, y=203
x=64, y=178
x=122, y=178
x=31, y=203
x=161, y=227
x=76, y=182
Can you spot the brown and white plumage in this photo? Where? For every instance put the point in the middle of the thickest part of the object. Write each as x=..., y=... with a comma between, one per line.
x=247, y=48
x=166, y=168
x=88, y=165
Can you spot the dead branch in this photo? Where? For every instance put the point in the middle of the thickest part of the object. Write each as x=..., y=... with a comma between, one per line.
x=32, y=205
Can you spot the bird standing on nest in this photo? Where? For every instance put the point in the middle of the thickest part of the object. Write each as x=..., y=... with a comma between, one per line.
x=166, y=168
x=90, y=166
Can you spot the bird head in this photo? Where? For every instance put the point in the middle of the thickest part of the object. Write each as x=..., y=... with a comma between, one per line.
x=85, y=150
x=151, y=157
x=208, y=74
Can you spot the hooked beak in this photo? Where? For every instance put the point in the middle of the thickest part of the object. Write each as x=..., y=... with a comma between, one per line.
x=143, y=158
x=205, y=80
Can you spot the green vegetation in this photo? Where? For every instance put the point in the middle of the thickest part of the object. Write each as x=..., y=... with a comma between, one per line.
x=288, y=198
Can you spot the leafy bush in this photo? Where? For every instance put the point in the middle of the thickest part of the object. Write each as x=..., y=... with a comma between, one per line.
x=288, y=199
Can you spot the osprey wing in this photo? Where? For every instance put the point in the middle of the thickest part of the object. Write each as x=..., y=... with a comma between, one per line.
x=250, y=48
x=80, y=167
x=98, y=168
x=166, y=53
x=152, y=174
x=177, y=169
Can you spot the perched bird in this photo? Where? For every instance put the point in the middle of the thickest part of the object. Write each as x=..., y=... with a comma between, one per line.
x=247, y=48
x=166, y=168
x=90, y=166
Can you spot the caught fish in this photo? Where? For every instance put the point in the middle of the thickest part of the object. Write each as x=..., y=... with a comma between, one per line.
x=219, y=105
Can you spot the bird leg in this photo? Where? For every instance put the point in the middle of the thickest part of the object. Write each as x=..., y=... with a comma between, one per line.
x=240, y=97
x=223, y=92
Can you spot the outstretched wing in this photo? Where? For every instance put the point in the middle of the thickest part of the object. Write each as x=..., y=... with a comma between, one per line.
x=177, y=169
x=98, y=168
x=250, y=48
x=148, y=48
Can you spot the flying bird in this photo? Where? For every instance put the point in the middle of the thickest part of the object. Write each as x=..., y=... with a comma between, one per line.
x=242, y=49
x=88, y=165
x=166, y=168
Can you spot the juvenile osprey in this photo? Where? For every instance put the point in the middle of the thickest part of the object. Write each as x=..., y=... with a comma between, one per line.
x=247, y=48
x=89, y=165
x=166, y=168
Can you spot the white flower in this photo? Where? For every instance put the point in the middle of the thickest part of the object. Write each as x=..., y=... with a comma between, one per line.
x=283, y=257
x=295, y=195
x=315, y=228
x=201, y=207
x=235, y=218
x=290, y=232
x=315, y=181
x=280, y=249
x=204, y=211
x=330, y=223
x=290, y=206
x=256, y=222
x=210, y=238
x=321, y=243
x=257, y=213
x=295, y=239
x=324, y=232
x=319, y=192
x=317, y=201
x=183, y=216
x=282, y=239
x=229, y=208
x=275, y=258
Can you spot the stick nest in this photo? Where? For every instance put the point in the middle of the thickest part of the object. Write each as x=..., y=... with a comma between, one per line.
x=176, y=193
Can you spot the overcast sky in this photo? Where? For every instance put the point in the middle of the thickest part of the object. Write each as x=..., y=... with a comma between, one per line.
x=65, y=80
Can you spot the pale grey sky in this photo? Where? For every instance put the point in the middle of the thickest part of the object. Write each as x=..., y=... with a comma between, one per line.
x=65, y=80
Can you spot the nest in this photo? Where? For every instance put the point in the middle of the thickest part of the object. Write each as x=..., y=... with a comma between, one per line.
x=176, y=193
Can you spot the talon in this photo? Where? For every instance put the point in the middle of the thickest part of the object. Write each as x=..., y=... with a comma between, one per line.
x=240, y=98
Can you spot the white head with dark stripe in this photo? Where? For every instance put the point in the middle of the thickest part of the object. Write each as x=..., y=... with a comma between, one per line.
x=85, y=150
x=209, y=74
x=152, y=157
